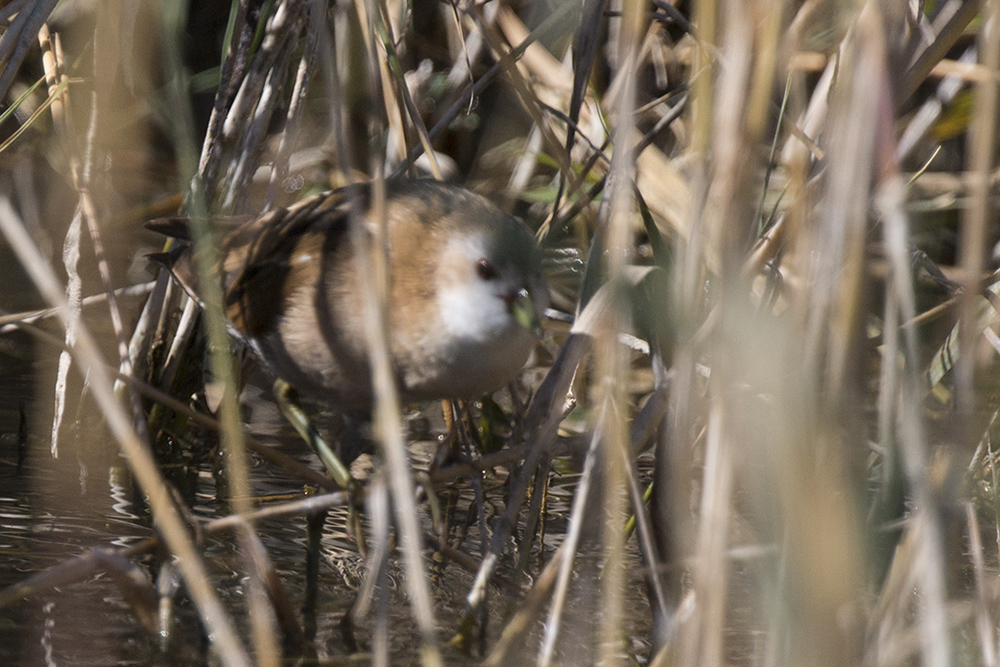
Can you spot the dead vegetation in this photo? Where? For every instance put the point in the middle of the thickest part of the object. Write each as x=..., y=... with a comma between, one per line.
x=771, y=226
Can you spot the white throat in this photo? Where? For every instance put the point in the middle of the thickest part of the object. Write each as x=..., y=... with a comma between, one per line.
x=484, y=344
x=473, y=312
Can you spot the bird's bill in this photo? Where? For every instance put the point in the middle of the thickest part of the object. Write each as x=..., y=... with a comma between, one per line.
x=524, y=313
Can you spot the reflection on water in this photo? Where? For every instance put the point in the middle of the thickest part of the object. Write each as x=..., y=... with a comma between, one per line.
x=56, y=509
x=53, y=510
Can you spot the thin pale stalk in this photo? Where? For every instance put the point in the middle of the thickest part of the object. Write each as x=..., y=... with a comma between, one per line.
x=71, y=258
x=234, y=65
x=975, y=222
x=81, y=169
x=567, y=550
x=389, y=429
x=32, y=316
x=912, y=439
x=985, y=628
x=514, y=633
x=703, y=641
x=950, y=27
x=611, y=358
x=260, y=93
x=178, y=541
x=382, y=26
x=506, y=60
x=279, y=169
x=222, y=362
x=19, y=37
x=371, y=254
x=378, y=508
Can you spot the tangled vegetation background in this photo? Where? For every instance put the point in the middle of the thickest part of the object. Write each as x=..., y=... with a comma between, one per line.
x=758, y=429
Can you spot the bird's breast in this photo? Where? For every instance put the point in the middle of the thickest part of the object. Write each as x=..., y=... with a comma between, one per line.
x=455, y=367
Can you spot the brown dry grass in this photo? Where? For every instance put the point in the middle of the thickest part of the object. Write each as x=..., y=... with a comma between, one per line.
x=790, y=204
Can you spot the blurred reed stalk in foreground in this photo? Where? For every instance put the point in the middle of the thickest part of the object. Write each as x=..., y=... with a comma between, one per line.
x=769, y=222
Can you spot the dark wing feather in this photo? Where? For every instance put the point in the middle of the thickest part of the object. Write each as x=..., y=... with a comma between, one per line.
x=175, y=228
x=256, y=255
x=177, y=258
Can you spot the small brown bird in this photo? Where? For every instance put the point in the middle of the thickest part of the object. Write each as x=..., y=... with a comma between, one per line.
x=465, y=294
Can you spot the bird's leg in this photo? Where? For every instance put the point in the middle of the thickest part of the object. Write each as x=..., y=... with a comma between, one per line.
x=444, y=450
x=314, y=531
x=353, y=439
x=296, y=416
x=463, y=436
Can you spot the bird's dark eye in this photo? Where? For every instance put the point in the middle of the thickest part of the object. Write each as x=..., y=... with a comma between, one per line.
x=485, y=269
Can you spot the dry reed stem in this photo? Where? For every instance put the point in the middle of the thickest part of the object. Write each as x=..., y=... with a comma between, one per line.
x=947, y=29
x=392, y=73
x=984, y=627
x=81, y=169
x=81, y=567
x=792, y=365
x=567, y=551
x=909, y=430
x=972, y=252
x=371, y=254
x=74, y=286
x=54, y=77
x=259, y=94
x=553, y=21
x=175, y=534
x=262, y=621
x=19, y=36
x=376, y=579
x=34, y=316
x=611, y=359
x=279, y=168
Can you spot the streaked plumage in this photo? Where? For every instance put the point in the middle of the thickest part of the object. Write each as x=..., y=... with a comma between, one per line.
x=459, y=269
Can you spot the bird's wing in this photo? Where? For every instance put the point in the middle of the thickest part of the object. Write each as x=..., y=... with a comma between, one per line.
x=257, y=256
